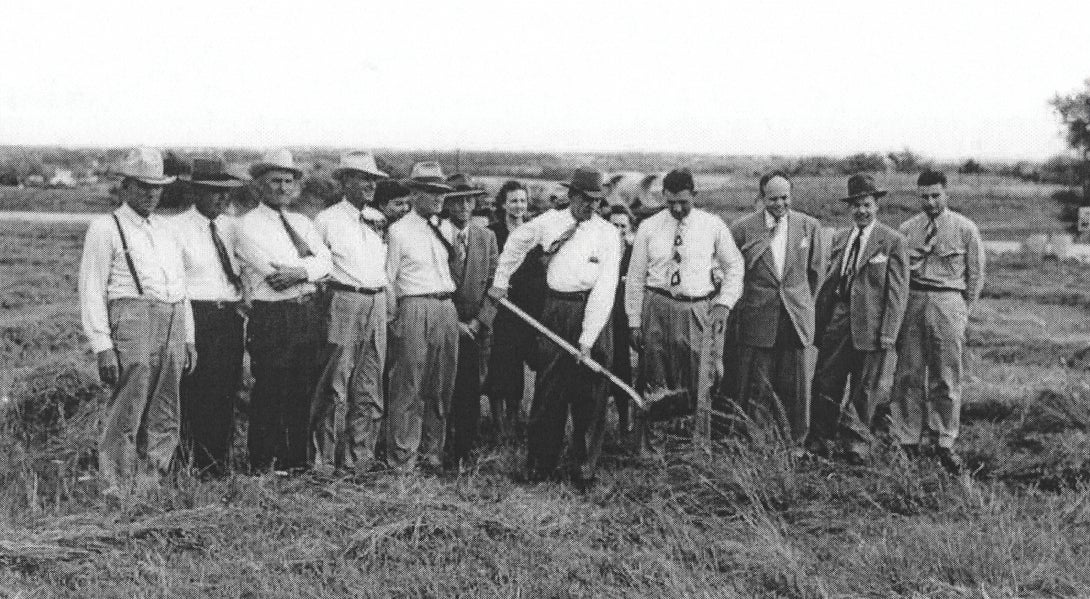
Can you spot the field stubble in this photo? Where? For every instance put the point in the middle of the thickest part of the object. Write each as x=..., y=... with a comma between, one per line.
x=746, y=521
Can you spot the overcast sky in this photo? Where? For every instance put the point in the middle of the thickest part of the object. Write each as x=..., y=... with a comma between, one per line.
x=946, y=79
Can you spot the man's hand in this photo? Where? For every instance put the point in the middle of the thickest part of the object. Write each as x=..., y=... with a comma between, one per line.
x=477, y=328
x=286, y=277
x=635, y=338
x=465, y=330
x=719, y=332
x=190, y=358
x=496, y=294
x=584, y=355
x=109, y=368
x=719, y=315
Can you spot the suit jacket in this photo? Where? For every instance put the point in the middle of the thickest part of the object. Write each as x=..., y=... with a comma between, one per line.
x=879, y=293
x=470, y=297
x=764, y=295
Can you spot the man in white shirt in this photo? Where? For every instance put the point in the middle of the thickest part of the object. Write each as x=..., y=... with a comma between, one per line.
x=207, y=239
x=424, y=342
x=583, y=253
x=282, y=257
x=672, y=295
x=350, y=390
x=140, y=324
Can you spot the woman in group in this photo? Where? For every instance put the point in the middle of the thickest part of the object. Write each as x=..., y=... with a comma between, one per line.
x=512, y=339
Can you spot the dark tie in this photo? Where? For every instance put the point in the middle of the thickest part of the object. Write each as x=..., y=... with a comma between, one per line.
x=920, y=253
x=434, y=226
x=458, y=262
x=225, y=261
x=847, y=274
x=300, y=245
x=558, y=243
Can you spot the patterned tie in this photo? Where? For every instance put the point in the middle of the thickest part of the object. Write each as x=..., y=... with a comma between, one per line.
x=922, y=252
x=300, y=245
x=675, y=265
x=554, y=247
x=225, y=261
x=847, y=274
x=458, y=260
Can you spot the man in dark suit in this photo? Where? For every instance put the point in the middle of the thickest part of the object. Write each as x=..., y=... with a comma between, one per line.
x=472, y=266
x=859, y=312
x=784, y=264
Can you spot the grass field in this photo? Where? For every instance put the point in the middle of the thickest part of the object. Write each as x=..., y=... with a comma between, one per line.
x=746, y=521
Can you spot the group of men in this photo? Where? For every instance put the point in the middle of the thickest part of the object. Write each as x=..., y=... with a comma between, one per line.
x=371, y=328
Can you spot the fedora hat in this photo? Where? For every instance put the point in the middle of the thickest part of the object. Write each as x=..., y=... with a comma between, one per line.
x=429, y=177
x=144, y=165
x=362, y=162
x=212, y=172
x=588, y=181
x=275, y=160
x=862, y=185
x=464, y=186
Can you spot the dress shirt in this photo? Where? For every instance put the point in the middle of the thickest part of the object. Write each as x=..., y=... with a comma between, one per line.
x=104, y=273
x=953, y=260
x=358, y=252
x=706, y=243
x=778, y=244
x=263, y=240
x=205, y=279
x=590, y=260
x=862, y=245
x=416, y=261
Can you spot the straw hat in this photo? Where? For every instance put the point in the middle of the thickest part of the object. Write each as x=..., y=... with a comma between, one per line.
x=280, y=159
x=429, y=177
x=145, y=165
x=363, y=162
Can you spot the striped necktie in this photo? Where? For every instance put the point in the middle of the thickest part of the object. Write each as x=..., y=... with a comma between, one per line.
x=847, y=274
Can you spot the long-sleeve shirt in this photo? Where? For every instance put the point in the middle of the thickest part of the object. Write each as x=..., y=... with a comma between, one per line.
x=263, y=241
x=416, y=261
x=953, y=259
x=589, y=261
x=206, y=280
x=104, y=273
x=358, y=252
x=706, y=243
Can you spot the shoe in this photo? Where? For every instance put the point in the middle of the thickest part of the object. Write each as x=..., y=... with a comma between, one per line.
x=950, y=461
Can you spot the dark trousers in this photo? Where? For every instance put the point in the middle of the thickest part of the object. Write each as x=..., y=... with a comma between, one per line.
x=774, y=384
x=284, y=340
x=465, y=404
x=208, y=393
x=512, y=349
x=838, y=361
x=563, y=385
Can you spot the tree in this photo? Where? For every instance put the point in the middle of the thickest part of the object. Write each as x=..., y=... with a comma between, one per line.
x=1074, y=112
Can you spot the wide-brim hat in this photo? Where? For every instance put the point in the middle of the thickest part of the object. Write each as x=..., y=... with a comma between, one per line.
x=212, y=173
x=588, y=181
x=862, y=185
x=144, y=165
x=362, y=162
x=464, y=186
x=275, y=160
x=427, y=176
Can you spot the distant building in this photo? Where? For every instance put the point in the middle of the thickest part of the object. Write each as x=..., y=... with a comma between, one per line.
x=62, y=178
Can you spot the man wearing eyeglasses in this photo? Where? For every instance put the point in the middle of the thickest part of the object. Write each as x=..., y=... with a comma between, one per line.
x=672, y=296
x=946, y=275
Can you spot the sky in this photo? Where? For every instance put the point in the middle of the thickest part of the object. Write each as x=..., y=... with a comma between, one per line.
x=945, y=79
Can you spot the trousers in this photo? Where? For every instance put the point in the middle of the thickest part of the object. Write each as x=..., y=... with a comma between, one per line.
x=774, y=383
x=465, y=405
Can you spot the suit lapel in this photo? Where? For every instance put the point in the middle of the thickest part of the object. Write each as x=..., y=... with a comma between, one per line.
x=876, y=243
x=836, y=257
x=756, y=245
x=794, y=240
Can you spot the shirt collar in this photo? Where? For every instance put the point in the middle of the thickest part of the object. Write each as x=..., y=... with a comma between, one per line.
x=126, y=212
x=770, y=221
x=201, y=218
x=267, y=211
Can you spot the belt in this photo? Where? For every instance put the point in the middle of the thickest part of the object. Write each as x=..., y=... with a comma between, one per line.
x=681, y=297
x=923, y=287
x=569, y=295
x=215, y=305
x=364, y=290
x=438, y=296
x=306, y=298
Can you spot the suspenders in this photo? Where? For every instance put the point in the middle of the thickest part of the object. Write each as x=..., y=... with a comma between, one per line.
x=128, y=257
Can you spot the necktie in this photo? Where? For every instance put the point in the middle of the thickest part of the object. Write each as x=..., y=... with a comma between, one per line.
x=558, y=243
x=923, y=251
x=433, y=224
x=225, y=261
x=300, y=245
x=847, y=274
x=675, y=265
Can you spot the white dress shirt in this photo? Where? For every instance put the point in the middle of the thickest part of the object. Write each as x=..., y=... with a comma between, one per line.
x=263, y=241
x=416, y=261
x=357, y=251
x=706, y=243
x=205, y=279
x=590, y=260
x=778, y=244
x=862, y=245
x=104, y=273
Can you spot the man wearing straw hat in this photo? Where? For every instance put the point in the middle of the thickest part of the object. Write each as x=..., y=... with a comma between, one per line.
x=350, y=390
x=140, y=323
x=214, y=286
x=424, y=343
x=859, y=311
x=582, y=252
x=282, y=256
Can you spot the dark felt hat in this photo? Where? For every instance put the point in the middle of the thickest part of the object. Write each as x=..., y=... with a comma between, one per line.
x=589, y=182
x=862, y=185
x=429, y=177
x=212, y=172
x=464, y=186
